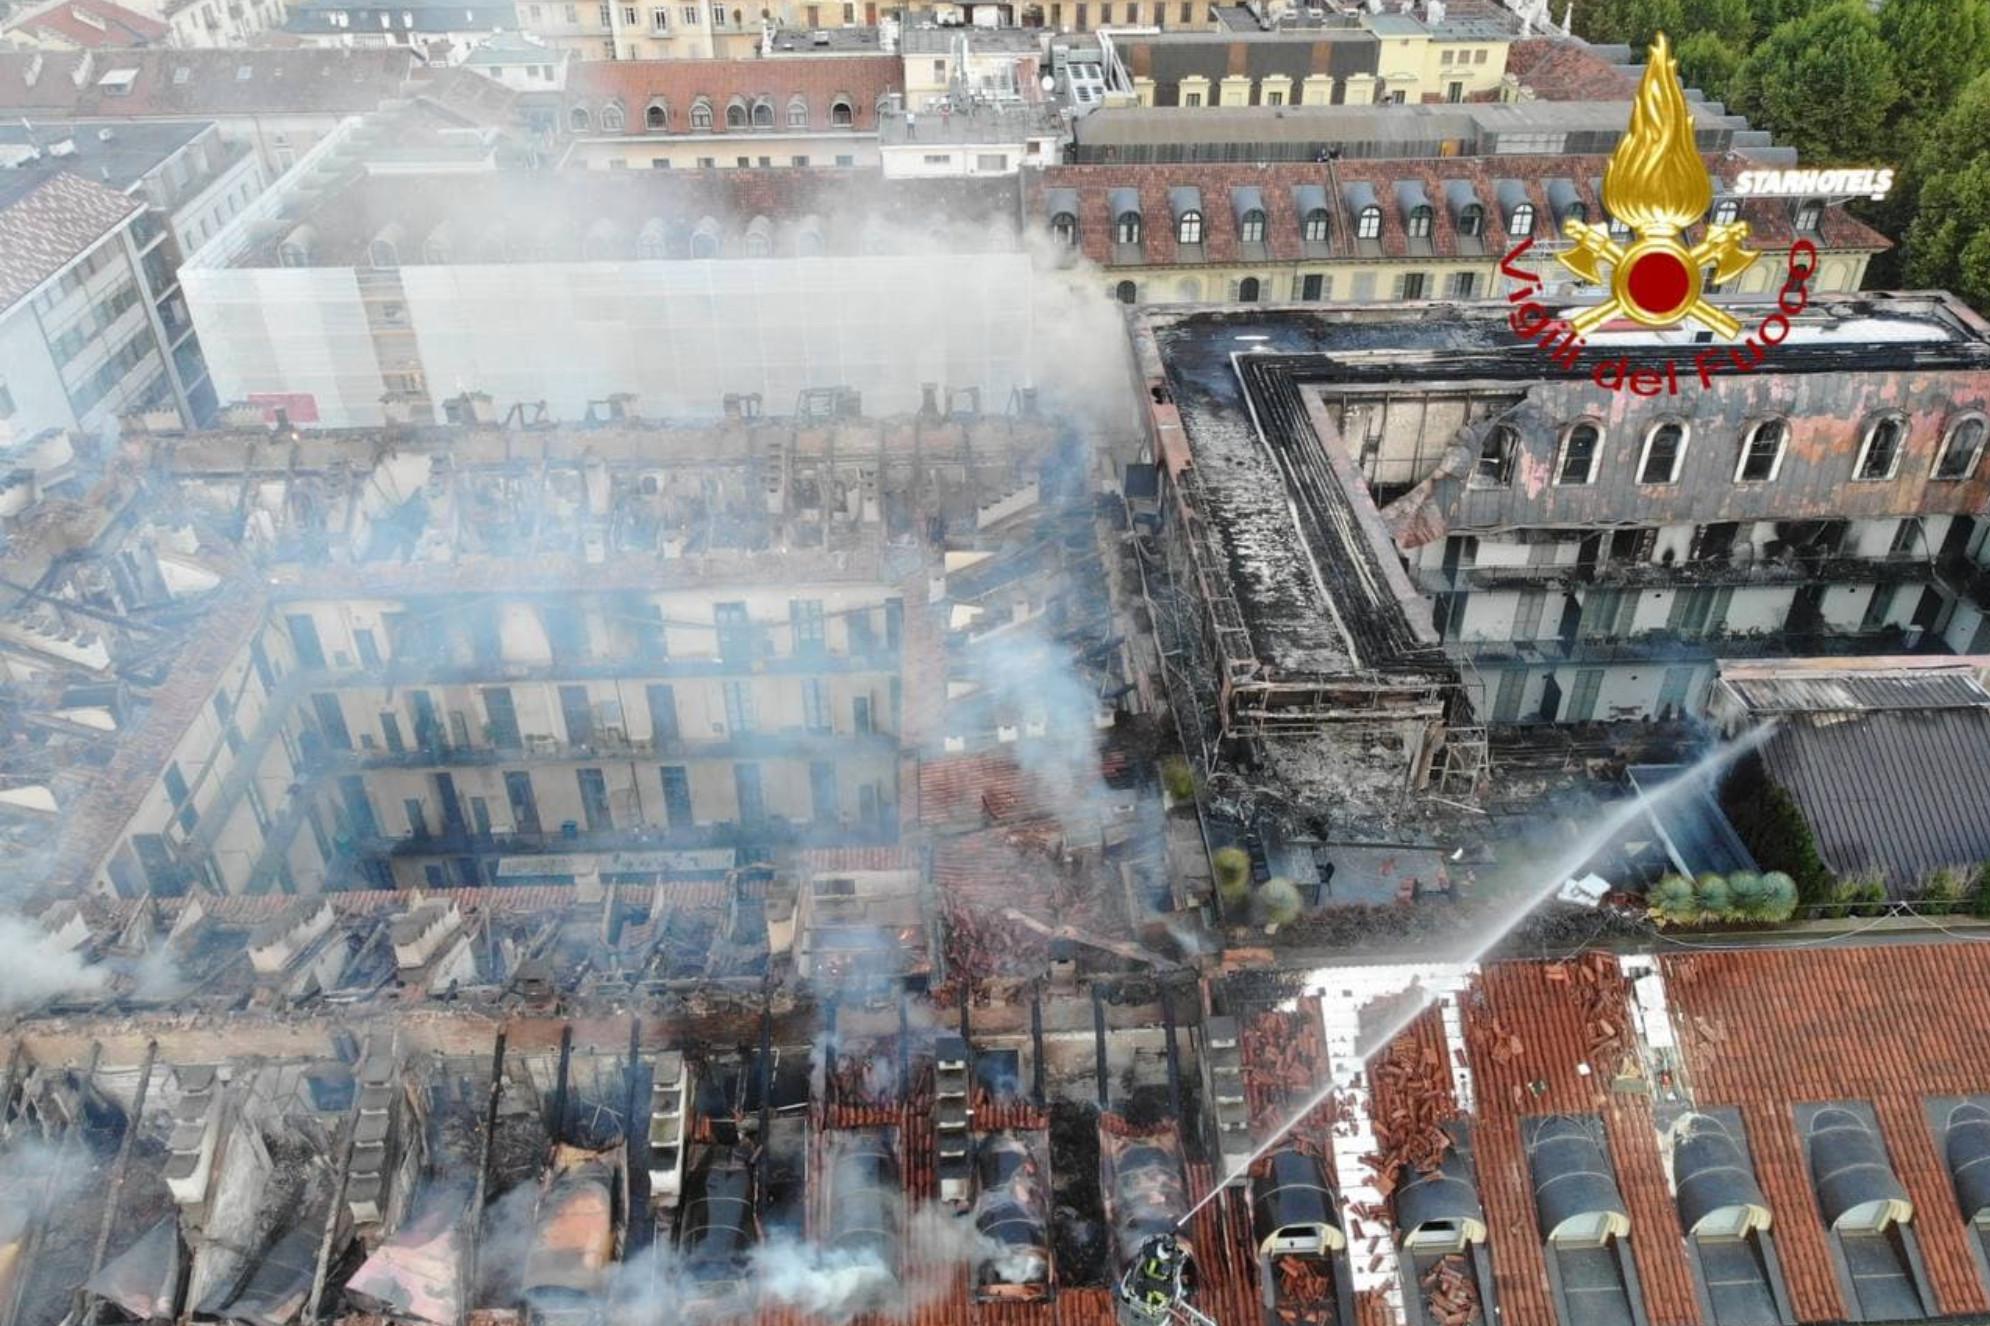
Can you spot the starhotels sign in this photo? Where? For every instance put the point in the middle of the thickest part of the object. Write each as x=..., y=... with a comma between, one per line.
x=1657, y=186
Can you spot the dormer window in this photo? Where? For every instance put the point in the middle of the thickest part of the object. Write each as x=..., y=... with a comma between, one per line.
x=1962, y=446
x=1472, y=221
x=1810, y=214
x=1315, y=226
x=736, y=114
x=701, y=114
x=840, y=113
x=1496, y=454
x=1369, y=224
x=1189, y=229
x=1879, y=453
x=1126, y=230
x=1762, y=452
x=1251, y=229
x=656, y=118
x=1581, y=446
x=1065, y=227
x=763, y=114
x=1521, y=223
x=1664, y=453
x=580, y=119
x=1726, y=211
x=611, y=119
x=1419, y=222
x=797, y=113
x=1576, y=211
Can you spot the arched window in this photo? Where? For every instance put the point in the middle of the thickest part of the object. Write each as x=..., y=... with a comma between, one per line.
x=657, y=117
x=840, y=114
x=1576, y=211
x=736, y=114
x=1369, y=224
x=1126, y=230
x=1879, y=453
x=1961, y=446
x=1618, y=230
x=1251, y=229
x=808, y=242
x=1188, y=230
x=1420, y=221
x=436, y=249
x=1725, y=211
x=292, y=255
x=705, y=241
x=611, y=118
x=1248, y=290
x=1188, y=289
x=650, y=241
x=1664, y=452
x=758, y=245
x=1810, y=213
x=580, y=119
x=701, y=114
x=382, y=254
x=1762, y=451
x=1126, y=292
x=1496, y=452
x=763, y=114
x=1582, y=446
x=1316, y=226
x=1472, y=221
x=1522, y=221
x=797, y=113
x=1065, y=227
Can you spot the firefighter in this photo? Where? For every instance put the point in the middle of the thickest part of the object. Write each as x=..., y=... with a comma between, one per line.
x=1155, y=1282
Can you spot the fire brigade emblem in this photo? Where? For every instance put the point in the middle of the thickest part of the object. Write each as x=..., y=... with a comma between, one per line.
x=1657, y=185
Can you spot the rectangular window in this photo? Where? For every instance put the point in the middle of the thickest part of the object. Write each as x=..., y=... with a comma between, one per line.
x=676, y=796
x=1877, y=607
x=746, y=789
x=1191, y=99
x=1579, y=448
x=1312, y=286
x=860, y=715
x=390, y=728
x=1506, y=701
x=417, y=819
x=331, y=721
x=180, y=795
x=805, y=618
x=822, y=790
x=358, y=807
x=863, y=641
x=1582, y=700
x=501, y=719
x=259, y=658
x=798, y=161
x=524, y=805
x=1364, y=288
x=1527, y=614
x=480, y=816
x=815, y=705
x=579, y=715
x=1462, y=285
x=660, y=19
x=594, y=800
x=304, y=640
x=690, y=15
x=1665, y=448
x=735, y=632
x=369, y=648
x=606, y=17
x=894, y=623
x=1672, y=692
x=629, y=16
x=739, y=707
x=845, y=160
x=1409, y=285
x=991, y=163
x=663, y=714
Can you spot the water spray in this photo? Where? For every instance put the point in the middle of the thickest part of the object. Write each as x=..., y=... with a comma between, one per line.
x=1564, y=865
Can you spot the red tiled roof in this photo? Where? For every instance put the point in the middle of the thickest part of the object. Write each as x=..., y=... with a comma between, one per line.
x=1769, y=219
x=633, y=85
x=46, y=229
x=1542, y=1005
x=191, y=83
x=988, y=788
x=1766, y=1030
x=1556, y=69
x=96, y=25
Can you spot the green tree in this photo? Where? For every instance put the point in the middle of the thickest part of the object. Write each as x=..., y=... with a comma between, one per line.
x=1733, y=21
x=1948, y=245
x=1938, y=47
x=1779, y=897
x=1824, y=83
x=1632, y=22
x=1279, y=902
x=1710, y=892
x=1672, y=901
x=1746, y=894
x=1233, y=878
x=1709, y=63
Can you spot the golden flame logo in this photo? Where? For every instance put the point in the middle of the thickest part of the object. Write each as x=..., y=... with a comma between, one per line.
x=1657, y=185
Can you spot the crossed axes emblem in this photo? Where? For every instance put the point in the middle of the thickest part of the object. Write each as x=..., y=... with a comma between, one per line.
x=1682, y=268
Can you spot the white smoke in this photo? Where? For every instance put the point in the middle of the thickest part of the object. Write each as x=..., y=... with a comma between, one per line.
x=34, y=967
x=1027, y=676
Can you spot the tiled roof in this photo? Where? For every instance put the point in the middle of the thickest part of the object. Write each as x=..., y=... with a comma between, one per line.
x=1499, y=184
x=1904, y=791
x=43, y=230
x=1534, y=1051
x=633, y=85
x=96, y=25
x=1556, y=69
x=985, y=788
x=175, y=82
x=1883, y=1024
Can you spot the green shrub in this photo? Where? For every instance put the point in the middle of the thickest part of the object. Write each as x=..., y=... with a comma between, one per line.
x=1861, y=895
x=1233, y=877
x=1745, y=892
x=1941, y=891
x=1672, y=902
x=1278, y=902
x=1775, y=830
x=1710, y=891
x=1779, y=897
x=1178, y=778
x=1979, y=898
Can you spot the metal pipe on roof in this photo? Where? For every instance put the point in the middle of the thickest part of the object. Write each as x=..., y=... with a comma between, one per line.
x=483, y=1173
x=1036, y=1044
x=1099, y=1042
x=91, y=1304
x=559, y=1128
x=1174, y=1055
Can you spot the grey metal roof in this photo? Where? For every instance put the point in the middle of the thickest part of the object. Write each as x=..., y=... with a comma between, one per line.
x=1183, y=199
x=1967, y=1150
x=1697, y=836
x=1308, y=198
x=1848, y=1166
x=1564, y=199
x=1857, y=692
x=1246, y=199
x=1359, y=196
x=1410, y=195
x=1900, y=790
x=1710, y=1172
x=1572, y=1177
x=1511, y=194
x=1122, y=201
x=1057, y=201
x=1458, y=195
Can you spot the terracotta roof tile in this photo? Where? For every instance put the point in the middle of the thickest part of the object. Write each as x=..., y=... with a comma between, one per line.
x=182, y=83
x=1556, y=69
x=96, y=25
x=1767, y=1030
x=633, y=85
x=47, y=227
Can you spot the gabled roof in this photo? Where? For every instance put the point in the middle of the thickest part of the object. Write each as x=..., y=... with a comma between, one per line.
x=198, y=83
x=49, y=225
x=1557, y=69
x=95, y=25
